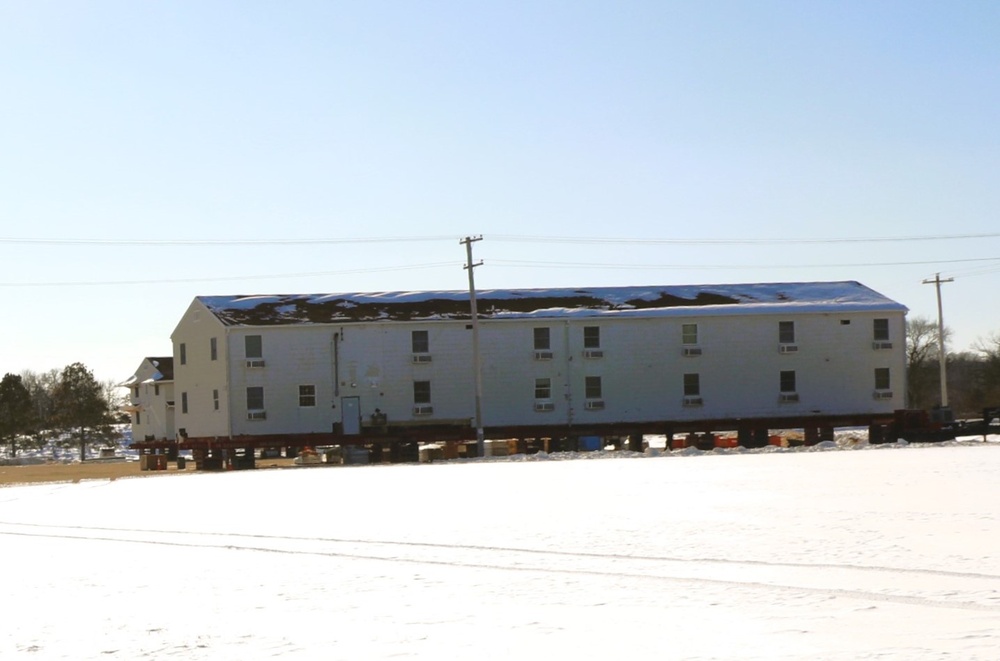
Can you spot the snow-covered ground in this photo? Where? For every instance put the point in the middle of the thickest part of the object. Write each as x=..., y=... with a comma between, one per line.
x=888, y=552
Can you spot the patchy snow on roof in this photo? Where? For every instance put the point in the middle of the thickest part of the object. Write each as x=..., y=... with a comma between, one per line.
x=764, y=298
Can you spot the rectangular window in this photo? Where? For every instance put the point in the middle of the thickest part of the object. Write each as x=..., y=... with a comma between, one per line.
x=420, y=341
x=542, y=339
x=184, y=353
x=213, y=348
x=138, y=418
x=692, y=385
x=184, y=402
x=215, y=400
x=307, y=395
x=591, y=337
x=254, y=346
x=421, y=392
x=788, y=381
x=156, y=389
x=786, y=332
x=543, y=388
x=592, y=387
x=882, y=378
x=255, y=398
x=881, y=330
x=136, y=390
x=689, y=333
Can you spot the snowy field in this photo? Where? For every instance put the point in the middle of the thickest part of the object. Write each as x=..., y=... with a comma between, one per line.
x=886, y=552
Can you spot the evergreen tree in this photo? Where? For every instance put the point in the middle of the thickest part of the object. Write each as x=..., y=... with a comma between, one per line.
x=17, y=412
x=78, y=403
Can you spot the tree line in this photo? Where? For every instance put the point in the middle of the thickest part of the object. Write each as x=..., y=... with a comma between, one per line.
x=68, y=405
x=973, y=375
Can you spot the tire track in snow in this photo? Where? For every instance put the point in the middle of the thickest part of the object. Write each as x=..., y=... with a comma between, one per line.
x=521, y=550
x=645, y=575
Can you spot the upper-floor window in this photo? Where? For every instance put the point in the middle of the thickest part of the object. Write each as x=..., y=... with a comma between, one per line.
x=592, y=389
x=591, y=337
x=787, y=381
x=213, y=348
x=543, y=388
x=882, y=378
x=307, y=395
x=881, y=330
x=138, y=418
x=183, y=353
x=184, y=402
x=542, y=341
x=156, y=389
x=689, y=333
x=786, y=332
x=420, y=341
x=215, y=400
x=255, y=398
x=692, y=385
x=421, y=392
x=254, y=346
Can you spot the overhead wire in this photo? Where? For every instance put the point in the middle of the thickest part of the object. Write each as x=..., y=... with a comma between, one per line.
x=218, y=242
x=978, y=266
x=737, y=241
x=506, y=238
x=273, y=276
x=631, y=266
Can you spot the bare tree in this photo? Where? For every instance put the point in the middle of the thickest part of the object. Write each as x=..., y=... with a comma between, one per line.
x=116, y=396
x=922, y=352
x=989, y=349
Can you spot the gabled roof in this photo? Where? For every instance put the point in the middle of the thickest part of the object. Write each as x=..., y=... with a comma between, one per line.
x=270, y=310
x=164, y=365
x=152, y=369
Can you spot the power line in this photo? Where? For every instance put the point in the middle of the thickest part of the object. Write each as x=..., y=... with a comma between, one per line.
x=736, y=241
x=273, y=276
x=218, y=242
x=673, y=267
x=501, y=238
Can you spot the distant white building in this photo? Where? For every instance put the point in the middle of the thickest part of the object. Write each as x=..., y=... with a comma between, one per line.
x=596, y=360
x=151, y=399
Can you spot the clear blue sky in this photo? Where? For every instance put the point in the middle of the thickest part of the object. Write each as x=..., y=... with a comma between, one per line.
x=656, y=121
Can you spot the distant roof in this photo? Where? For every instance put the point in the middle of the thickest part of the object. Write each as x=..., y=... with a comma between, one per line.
x=269, y=310
x=164, y=365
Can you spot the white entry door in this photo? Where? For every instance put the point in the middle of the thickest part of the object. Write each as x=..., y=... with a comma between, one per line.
x=350, y=410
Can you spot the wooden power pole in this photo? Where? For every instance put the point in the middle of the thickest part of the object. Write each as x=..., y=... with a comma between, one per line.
x=937, y=281
x=469, y=266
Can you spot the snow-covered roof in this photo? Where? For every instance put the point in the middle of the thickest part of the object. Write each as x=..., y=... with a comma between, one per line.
x=673, y=300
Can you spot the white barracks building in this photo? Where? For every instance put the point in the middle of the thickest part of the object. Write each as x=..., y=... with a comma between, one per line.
x=606, y=360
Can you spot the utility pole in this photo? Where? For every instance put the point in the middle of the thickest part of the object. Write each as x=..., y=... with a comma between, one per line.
x=469, y=266
x=937, y=281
